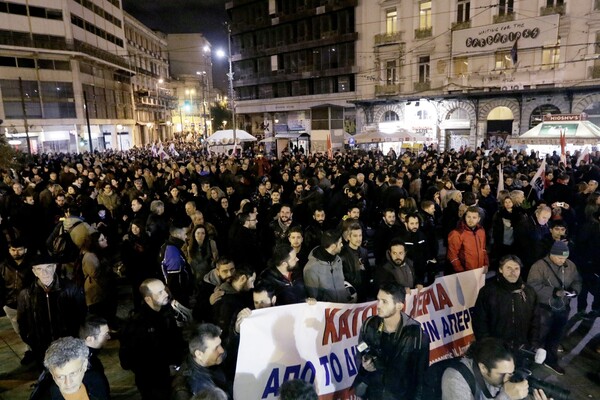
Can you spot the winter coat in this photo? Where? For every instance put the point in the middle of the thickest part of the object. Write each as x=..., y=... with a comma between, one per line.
x=324, y=277
x=546, y=283
x=401, y=360
x=506, y=310
x=466, y=248
x=98, y=277
x=288, y=289
x=79, y=232
x=13, y=279
x=390, y=272
x=193, y=378
x=46, y=315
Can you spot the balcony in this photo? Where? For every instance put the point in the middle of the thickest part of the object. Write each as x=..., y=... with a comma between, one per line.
x=388, y=38
x=504, y=18
x=557, y=9
x=387, y=90
x=457, y=26
x=422, y=86
x=423, y=33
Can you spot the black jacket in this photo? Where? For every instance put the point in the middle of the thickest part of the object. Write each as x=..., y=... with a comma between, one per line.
x=506, y=310
x=192, y=378
x=95, y=384
x=151, y=341
x=46, y=316
x=13, y=279
x=288, y=290
x=401, y=360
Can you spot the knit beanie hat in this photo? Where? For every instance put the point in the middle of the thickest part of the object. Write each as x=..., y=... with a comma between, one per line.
x=560, y=248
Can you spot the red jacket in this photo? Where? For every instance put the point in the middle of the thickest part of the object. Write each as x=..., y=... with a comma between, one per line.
x=466, y=248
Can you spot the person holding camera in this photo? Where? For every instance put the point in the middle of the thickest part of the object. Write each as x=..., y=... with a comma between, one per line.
x=394, y=350
x=556, y=282
x=492, y=365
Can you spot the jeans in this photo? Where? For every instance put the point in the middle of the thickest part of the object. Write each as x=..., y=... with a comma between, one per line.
x=552, y=326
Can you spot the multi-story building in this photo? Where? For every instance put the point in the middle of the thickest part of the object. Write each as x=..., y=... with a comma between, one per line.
x=467, y=72
x=148, y=57
x=63, y=76
x=190, y=56
x=294, y=65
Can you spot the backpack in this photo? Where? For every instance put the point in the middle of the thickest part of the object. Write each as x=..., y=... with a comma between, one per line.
x=60, y=245
x=432, y=384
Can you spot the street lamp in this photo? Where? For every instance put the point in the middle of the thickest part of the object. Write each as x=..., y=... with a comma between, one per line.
x=221, y=54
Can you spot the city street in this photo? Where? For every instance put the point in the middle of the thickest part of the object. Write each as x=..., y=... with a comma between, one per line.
x=578, y=359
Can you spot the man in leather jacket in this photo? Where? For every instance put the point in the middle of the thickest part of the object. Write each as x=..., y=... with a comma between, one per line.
x=394, y=350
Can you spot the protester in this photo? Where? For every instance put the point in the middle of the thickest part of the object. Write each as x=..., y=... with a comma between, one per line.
x=395, y=351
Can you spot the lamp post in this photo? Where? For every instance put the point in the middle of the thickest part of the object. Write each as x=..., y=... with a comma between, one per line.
x=230, y=77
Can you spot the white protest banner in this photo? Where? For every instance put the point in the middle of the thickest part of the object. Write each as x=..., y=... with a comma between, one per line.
x=317, y=343
x=444, y=310
x=311, y=342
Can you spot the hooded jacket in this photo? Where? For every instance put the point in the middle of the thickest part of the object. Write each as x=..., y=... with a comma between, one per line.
x=466, y=248
x=324, y=277
x=13, y=278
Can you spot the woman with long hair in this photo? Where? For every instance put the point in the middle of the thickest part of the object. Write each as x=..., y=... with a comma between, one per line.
x=138, y=259
x=201, y=252
x=99, y=282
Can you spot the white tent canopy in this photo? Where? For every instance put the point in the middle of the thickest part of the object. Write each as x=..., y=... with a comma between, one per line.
x=577, y=133
x=226, y=137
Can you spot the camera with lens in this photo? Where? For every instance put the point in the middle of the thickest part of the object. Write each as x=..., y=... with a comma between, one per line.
x=551, y=390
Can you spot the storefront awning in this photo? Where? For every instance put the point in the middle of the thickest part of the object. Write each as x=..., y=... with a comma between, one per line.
x=291, y=135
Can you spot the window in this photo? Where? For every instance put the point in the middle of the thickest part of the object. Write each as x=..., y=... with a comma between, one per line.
x=422, y=114
x=424, y=69
x=461, y=66
x=554, y=3
x=503, y=60
x=343, y=84
x=464, y=11
x=425, y=15
x=597, y=46
x=390, y=72
x=550, y=57
x=390, y=116
x=505, y=7
x=391, y=21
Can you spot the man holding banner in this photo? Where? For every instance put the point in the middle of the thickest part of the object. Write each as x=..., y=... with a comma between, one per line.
x=394, y=351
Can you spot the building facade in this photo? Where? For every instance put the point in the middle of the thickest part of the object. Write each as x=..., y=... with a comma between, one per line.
x=190, y=56
x=64, y=79
x=147, y=53
x=472, y=72
x=295, y=65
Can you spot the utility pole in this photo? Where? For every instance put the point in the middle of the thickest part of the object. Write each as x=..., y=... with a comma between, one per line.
x=87, y=120
x=24, y=115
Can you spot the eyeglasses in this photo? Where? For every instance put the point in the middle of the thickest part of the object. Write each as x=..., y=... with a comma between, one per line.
x=72, y=375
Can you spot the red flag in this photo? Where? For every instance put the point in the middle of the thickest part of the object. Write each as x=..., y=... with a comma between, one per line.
x=563, y=145
x=329, y=147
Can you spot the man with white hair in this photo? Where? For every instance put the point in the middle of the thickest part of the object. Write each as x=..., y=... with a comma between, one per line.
x=67, y=361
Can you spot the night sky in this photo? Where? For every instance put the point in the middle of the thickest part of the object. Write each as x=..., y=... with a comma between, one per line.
x=187, y=16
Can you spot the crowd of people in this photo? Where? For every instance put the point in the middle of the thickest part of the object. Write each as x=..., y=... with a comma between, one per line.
x=203, y=239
